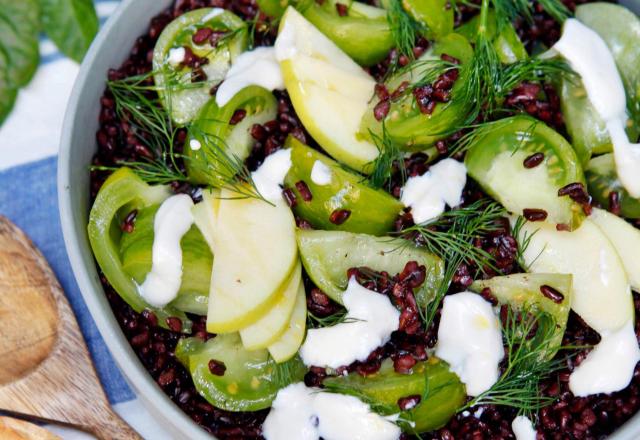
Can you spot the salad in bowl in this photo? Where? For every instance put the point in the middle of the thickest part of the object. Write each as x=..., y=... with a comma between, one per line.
x=378, y=220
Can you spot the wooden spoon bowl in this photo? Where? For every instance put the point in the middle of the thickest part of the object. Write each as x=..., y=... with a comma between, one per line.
x=46, y=371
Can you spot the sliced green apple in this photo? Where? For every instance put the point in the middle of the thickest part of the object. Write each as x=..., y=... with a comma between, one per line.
x=205, y=213
x=601, y=293
x=329, y=91
x=625, y=238
x=290, y=341
x=274, y=323
x=255, y=253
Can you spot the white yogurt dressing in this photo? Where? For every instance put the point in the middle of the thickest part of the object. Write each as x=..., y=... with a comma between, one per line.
x=523, y=428
x=171, y=222
x=372, y=320
x=470, y=340
x=258, y=67
x=195, y=144
x=320, y=173
x=303, y=413
x=428, y=194
x=590, y=57
x=176, y=56
x=616, y=356
x=270, y=176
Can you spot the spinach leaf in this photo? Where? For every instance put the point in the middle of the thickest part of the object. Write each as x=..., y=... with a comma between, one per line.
x=18, y=41
x=71, y=25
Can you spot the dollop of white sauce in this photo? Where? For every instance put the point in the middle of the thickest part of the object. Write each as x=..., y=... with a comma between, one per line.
x=617, y=354
x=270, y=176
x=303, y=413
x=428, y=194
x=320, y=173
x=590, y=57
x=195, y=144
x=523, y=428
x=371, y=320
x=470, y=340
x=258, y=67
x=171, y=222
x=176, y=56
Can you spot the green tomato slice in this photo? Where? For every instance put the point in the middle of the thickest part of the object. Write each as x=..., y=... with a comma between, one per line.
x=217, y=141
x=328, y=255
x=251, y=379
x=602, y=180
x=371, y=211
x=435, y=15
x=136, y=249
x=182, y=97
x=523, y=291
x=441, y=390
x=495, y=160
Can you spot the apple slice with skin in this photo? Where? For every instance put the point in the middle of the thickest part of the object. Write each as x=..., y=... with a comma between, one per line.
x=205, y=214
x=625, y=238
x=601, y=292
x=329, y=91
x=288, y=344
x=255, y=253
x=271, y=326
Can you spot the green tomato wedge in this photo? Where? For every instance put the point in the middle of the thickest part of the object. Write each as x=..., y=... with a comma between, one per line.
x=442, y=392
x=620, y=29
x=251, y=379
x=405, y=125
x=372, y=211
x=363, y=33
x=523, y=291
x=136, y=254
x=602, y=180
x=435, y=15
x=507, y=44
x=213, y=143
x=328, y=255
x=120, y=194
x=495, y=160
x=182, y=97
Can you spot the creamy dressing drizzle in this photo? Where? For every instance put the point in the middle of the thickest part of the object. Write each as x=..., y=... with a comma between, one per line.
x=590, y=57
x=176, y=56
x=372, y=319
x=171, y=222
x=270, y=176
x=428, y=194
x=320, y=173
x=258, y=67
x=523, y=428
x=609, y=366
x=470, y=340
x=303, y=413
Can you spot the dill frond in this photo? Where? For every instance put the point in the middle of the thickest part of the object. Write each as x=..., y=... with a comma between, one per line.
x=389, y=155
x=528, y=337
x=524, y=242
x=404, y=29
x=288, y=372
x=451, y=237
x=340, y=317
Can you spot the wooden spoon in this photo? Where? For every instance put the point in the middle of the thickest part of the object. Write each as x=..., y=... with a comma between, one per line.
x=45, y=368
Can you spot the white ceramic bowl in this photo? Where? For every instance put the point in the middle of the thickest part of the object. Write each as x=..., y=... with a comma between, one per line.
x=110, y=48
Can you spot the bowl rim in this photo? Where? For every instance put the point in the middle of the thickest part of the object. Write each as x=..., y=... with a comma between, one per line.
x=145, y=388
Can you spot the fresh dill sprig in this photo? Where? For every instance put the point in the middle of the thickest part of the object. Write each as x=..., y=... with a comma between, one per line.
x=404, y=29
x=340, y=317
x=452, y=237
x=479, y=130
x=287, y=372
x=389, y=156
x=524, y=240
x=529, y=339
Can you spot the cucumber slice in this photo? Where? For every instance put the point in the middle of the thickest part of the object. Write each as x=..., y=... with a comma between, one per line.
x=182, y=97
x=136, y=254
x=371, y=211
x=441, y=391
x=211, y=132
x=495, y=160
x=328, y=255
x=603, y=180
x=523, y=291
x=251, y=379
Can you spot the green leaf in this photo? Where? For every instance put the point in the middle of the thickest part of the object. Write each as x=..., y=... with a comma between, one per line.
x=71, y=25
x=18, y=46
